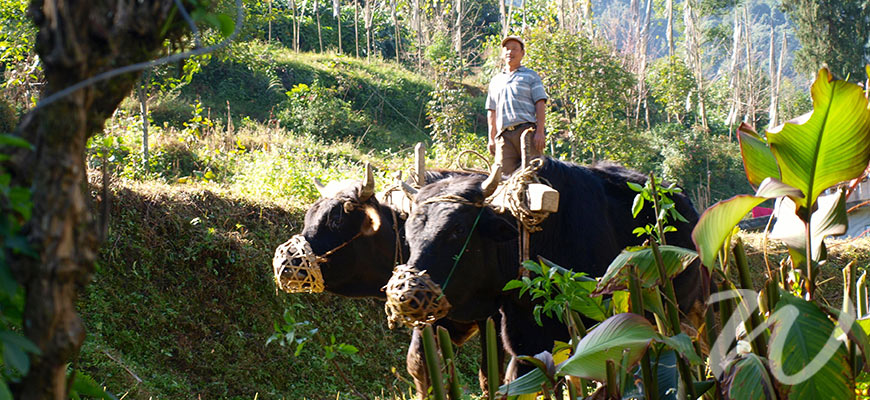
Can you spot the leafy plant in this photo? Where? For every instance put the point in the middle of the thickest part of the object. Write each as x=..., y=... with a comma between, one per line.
x=794, y=163
x=16, y=208
x=558, y=290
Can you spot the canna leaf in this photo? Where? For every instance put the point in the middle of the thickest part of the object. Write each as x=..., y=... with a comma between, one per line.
x=829, y=145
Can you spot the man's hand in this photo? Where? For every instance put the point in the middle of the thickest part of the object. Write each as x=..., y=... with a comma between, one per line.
x=491, y=146
x=540, y=139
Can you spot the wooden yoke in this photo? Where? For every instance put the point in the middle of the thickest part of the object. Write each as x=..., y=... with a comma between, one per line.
x=542, y=198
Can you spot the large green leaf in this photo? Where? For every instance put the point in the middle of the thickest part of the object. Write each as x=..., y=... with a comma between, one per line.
x=606, y=342
x=527, y=384
x=682, y=343
x=758, y=161
x=829, y=145
x=718, y=221
x=676, y=260
x=748, y=379
x=829, y=219
x=805, y=354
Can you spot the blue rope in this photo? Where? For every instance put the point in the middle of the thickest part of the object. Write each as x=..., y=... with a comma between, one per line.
x=458, y=256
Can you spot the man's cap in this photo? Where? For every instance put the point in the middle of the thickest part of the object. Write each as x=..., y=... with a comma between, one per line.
x=513, y=37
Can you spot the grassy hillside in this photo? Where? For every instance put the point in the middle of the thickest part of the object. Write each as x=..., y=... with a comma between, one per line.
x=183, y=301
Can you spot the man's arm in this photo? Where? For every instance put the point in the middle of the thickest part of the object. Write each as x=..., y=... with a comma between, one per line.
x=540, y=121
x=491, y=123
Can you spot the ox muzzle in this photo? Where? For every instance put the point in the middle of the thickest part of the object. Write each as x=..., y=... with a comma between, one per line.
x=296, y=267
x=413, y=298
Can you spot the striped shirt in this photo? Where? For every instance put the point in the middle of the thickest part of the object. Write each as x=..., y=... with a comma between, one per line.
x=512, y=95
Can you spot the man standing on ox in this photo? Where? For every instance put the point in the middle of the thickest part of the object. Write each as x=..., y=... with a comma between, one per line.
x=516, y=102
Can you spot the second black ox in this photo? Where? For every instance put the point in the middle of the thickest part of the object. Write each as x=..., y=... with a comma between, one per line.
x=594, y=223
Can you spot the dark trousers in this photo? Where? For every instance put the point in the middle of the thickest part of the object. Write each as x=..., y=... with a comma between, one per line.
x=508, y=147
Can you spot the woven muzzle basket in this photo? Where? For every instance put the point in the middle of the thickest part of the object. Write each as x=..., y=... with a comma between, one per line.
x=303, y=278
x=413, y=299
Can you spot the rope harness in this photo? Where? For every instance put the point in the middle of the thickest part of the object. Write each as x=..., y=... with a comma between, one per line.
x=516, y=196
x=413, y=298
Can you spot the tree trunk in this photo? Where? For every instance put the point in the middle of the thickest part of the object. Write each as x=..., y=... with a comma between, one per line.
x=76, y=40
x=641, y=49
x=670, y=11
x=295, y=27
x=771, y=72
x=457, y=41
x=319, y=34
x=336, y=12
x=419, y=29
x=503, y=17
x=269, y=36
x=395, y=26
x=356, y=26
x=750, y=78
x=510, y=17
x=143, y=111
x=367, y=15
x=693, y=55
x=775, y=106
x=734, y=83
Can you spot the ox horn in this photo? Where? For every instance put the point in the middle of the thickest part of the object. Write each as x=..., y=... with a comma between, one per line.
x=491, y=183
x=321, y=188
x=368, y=187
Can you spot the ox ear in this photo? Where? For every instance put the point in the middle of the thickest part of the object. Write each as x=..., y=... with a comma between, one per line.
x=372, y=221
x=496, y=228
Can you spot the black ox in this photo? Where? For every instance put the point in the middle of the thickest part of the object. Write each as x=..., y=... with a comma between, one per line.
x=593, y=224
x=358, y=230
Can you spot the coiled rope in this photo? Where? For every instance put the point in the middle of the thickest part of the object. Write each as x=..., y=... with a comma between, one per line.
x=516, y=196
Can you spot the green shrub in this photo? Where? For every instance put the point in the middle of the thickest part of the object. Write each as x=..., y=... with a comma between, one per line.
x=690, y=155
x=318, y=111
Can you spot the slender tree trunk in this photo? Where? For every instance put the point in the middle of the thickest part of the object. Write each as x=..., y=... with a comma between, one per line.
x=694, y=58
x=774, y=116
x=642, y=50
x=561, y=16
x=418, y=25
x=317, y=16
x=524, y=14
x=395, y=27
x=356, y=26
x=336, y=12
x=295, y=26
x=503, y=17
x=636, y=21
x=750, y=78
x=771, y=72
x=510, y=17
x=269, y=36
x=670, y=11
x=76, y=40
x=367, y=15
x=734, y=110
x=143, y=111
x=457, y=41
